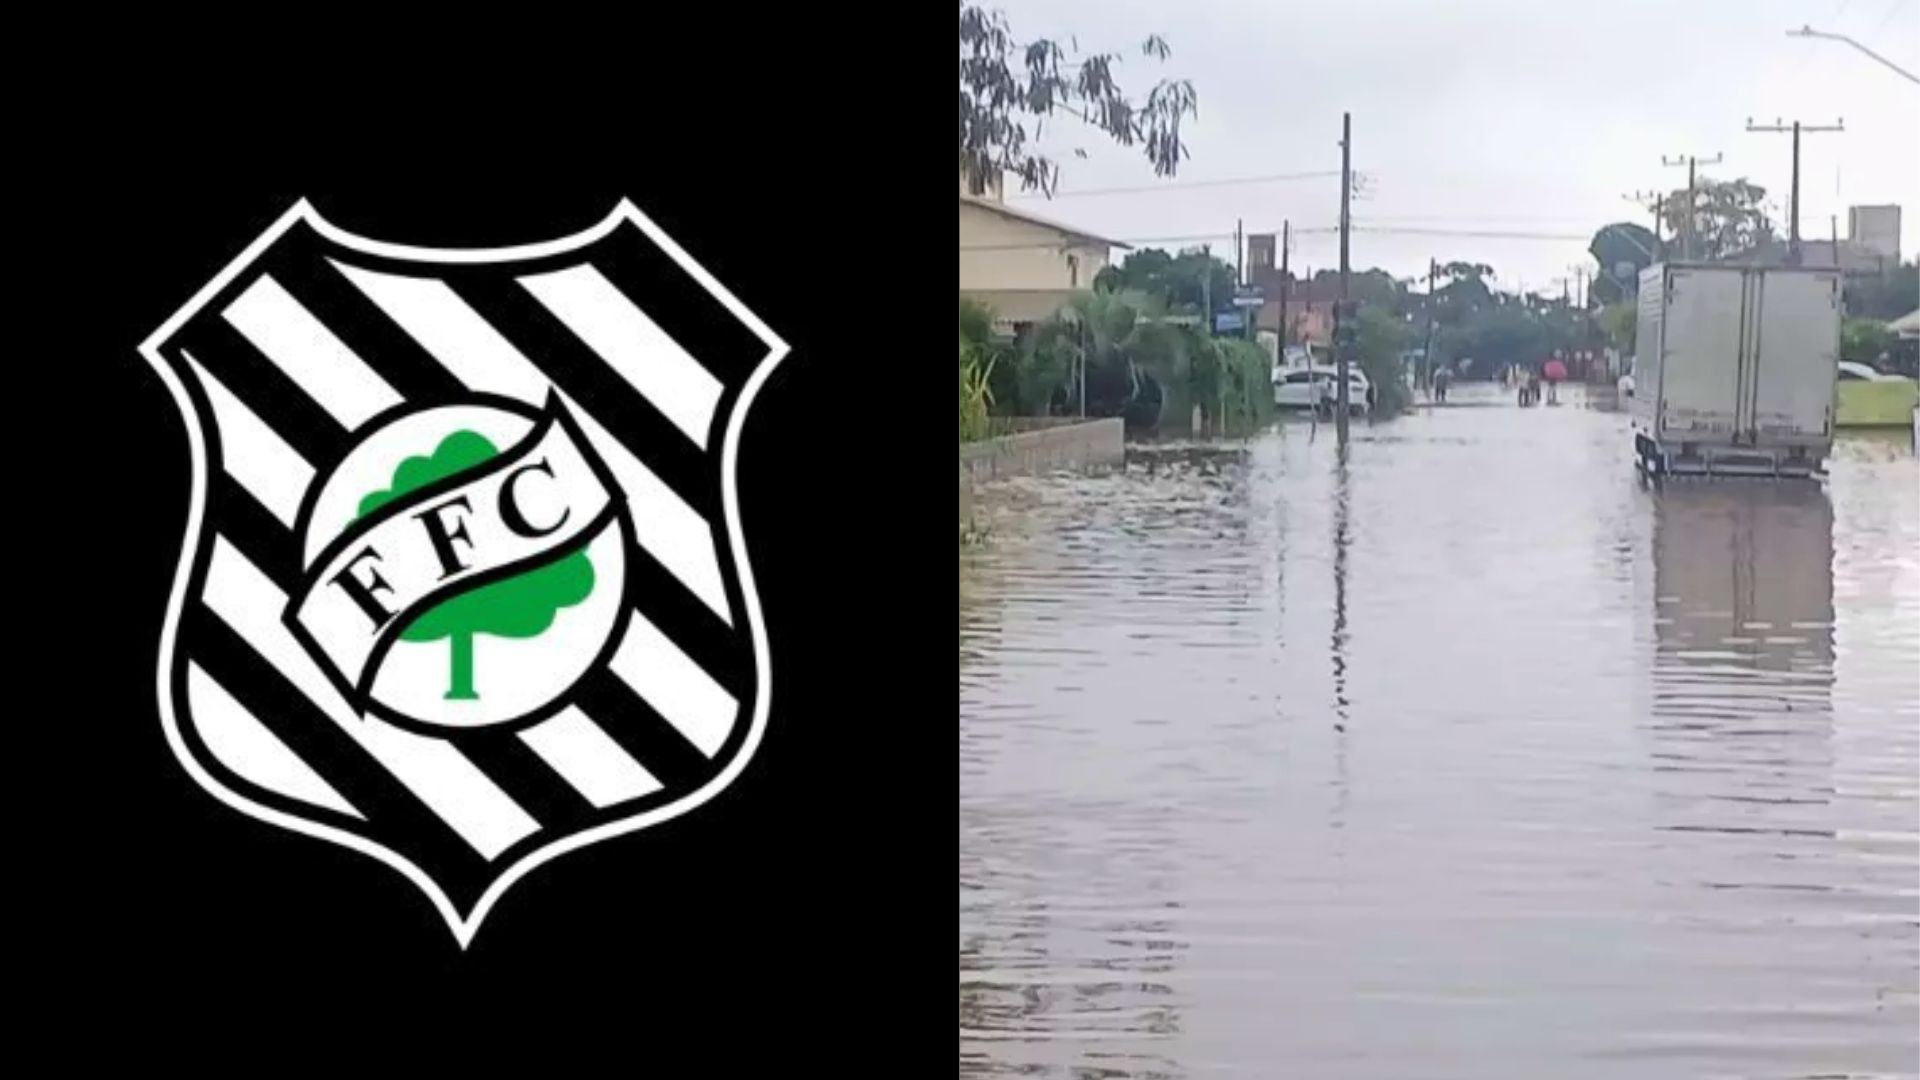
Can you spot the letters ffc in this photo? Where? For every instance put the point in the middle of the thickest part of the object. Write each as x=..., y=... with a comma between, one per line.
x=527, y=506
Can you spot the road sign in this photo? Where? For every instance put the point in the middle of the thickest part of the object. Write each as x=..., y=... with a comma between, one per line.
x=1228, y=320
x=1249, y=298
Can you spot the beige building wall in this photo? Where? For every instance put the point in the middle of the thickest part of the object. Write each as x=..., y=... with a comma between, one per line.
x=999, y=253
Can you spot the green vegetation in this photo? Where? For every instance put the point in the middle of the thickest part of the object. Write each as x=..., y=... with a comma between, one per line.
x=1865, y=341
x=521, y=606
x=1886, y=297
x=1380, y=340
x=1182, y=282
x=1620, y=322
x=1131, y=361
x=1729, y=217
x=1006, y=84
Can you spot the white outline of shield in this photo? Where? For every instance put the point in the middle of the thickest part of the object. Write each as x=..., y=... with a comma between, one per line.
x=464, y=929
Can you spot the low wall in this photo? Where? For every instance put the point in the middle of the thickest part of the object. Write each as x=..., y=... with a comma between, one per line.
x=1045, y=445
x=1038, y=445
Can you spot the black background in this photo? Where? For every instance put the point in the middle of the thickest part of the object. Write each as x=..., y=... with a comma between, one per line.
x=800, y=919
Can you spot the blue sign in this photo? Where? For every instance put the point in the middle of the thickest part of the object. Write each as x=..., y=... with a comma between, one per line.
x=1228, y=320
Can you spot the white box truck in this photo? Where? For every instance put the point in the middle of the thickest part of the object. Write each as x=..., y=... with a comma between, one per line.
x=1735, y=369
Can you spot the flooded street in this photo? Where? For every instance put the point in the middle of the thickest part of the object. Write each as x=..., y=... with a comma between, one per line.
x=1462, y=756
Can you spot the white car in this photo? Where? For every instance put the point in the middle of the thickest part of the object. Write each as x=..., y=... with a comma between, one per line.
x=1853, y=369
x=1315, y=388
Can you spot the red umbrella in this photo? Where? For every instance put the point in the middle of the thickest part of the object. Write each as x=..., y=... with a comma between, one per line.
x=1555, y=371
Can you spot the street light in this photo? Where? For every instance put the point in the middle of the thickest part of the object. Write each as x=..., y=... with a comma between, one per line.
x=1810, y=32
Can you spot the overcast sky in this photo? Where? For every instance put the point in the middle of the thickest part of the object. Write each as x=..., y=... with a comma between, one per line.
x=1503, y=115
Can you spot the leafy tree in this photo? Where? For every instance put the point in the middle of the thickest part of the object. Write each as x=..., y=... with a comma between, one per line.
x=1620, y=322
x=1461, y=289
x=1181, y=282
x=1232, y=382
x=521, y=606
x=1379, y=340
x=1374, y=287
x=1865, y=341
x=1005, y=85
x=1616, y=247
x=1728, y=218
x=1886, y=297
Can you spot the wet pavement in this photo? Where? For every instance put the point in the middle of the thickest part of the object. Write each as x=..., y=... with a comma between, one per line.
x=1460, y=755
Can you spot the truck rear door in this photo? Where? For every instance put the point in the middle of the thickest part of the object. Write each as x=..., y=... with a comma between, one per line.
x=1700, y=356
x=1795, y=349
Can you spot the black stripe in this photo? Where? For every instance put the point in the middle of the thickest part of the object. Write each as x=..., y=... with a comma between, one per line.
x=719, y=649
x=509, y=762
x=642, y=732
x=680, y=305
x=299, y=264
x=252, y=528
x=397, y=817
x=692, y=473
x=263, y=388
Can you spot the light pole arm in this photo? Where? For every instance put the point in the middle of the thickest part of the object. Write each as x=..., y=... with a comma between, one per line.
x=1808, y=31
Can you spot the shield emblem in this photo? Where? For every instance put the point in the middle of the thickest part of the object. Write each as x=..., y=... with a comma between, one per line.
x=463, y=586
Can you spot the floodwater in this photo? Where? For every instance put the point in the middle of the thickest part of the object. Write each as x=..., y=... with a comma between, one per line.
x=1464, y=756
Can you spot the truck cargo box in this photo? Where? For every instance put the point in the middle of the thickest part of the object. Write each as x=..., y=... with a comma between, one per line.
x=1736, y=368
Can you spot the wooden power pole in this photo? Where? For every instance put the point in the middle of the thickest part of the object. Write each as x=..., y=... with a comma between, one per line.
x=1342, y=331
x=1793, y=200
x=1686, y=225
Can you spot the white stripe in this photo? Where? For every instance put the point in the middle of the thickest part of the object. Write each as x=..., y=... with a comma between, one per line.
x=632, y=345
x=253, y=454
x=302, y=346
x=586, y=757
x=242, y=743
x=451, y=786
x=476, y=353
x=677, y=688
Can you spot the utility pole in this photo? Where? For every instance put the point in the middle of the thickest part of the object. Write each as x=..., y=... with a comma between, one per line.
x=1286, y=231
x=1206, y=289
x=1793, y=203
x=1239, y=253
x=1343, y=332
x=1426, y=351
x=1686, y=243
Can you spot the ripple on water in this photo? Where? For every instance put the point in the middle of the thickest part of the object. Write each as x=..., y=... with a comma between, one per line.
x=1465, y=756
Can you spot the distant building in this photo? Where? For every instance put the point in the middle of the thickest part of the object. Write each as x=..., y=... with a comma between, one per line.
x=1852, y=258
x=1876, y=228
x=1309, y=310
x=1024, y=266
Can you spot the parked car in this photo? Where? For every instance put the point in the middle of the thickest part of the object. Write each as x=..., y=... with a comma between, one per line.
x=1853, y=369
x=1315, y=388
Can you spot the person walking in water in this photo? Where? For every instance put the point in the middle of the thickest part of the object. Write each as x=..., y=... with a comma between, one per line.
x=1441, y=378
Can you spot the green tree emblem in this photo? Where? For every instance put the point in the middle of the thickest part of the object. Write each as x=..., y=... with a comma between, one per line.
x=521, y=606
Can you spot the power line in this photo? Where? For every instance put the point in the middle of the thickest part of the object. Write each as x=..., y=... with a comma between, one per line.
x=1171, y=184
x=1488, y=234
x=1385, y=230
x=1891, y=11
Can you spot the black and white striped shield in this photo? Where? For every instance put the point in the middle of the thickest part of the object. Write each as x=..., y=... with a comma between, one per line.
x=463, y=586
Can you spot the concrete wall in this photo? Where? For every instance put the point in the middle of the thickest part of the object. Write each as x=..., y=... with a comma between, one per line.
x=1042, y=446
x=1047, y=446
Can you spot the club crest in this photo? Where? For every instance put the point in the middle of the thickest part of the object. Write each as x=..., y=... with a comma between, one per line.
x=463, y=586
